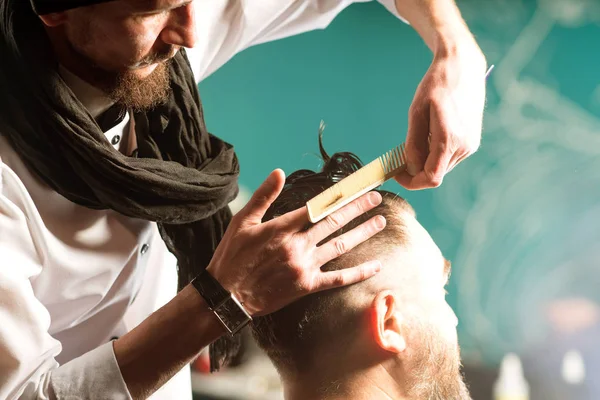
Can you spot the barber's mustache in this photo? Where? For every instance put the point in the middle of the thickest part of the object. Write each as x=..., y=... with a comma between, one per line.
x=160, y=56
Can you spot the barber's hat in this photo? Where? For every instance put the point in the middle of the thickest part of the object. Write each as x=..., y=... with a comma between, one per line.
x=42, y=7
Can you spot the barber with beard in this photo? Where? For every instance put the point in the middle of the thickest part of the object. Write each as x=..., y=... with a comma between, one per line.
x=113, y=194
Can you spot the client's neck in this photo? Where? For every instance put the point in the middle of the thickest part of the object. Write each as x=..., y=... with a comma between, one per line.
x=375, y=383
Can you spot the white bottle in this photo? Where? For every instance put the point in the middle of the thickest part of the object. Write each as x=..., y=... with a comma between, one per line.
x=511, y=384
x=573, y=368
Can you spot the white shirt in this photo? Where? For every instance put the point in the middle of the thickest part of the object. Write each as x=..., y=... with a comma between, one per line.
x=72, y=278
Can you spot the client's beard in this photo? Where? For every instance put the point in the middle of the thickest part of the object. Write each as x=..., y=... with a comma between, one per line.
x=435, y=368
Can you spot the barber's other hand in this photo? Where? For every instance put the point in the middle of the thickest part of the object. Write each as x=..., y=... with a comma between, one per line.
x=445, y=118
x=269, y=265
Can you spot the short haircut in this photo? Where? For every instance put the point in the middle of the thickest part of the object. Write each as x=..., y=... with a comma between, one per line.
x=292, y=336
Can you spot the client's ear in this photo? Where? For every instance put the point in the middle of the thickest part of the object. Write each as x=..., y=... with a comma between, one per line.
x=54, y=19
x=387, y=322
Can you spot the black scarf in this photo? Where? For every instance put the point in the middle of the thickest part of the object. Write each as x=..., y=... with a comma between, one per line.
x=183, y=177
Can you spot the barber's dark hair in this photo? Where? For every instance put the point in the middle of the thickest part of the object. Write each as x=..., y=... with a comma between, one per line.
x=289, y=335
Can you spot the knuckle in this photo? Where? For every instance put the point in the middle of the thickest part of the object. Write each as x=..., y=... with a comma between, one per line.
x=289, y=252
x=236, y=220
x=413, y=110
x=437, y=101
x=259, y=200
x=340, y=247
x=416, y=113
x=297, y=275
x=334, y=221
x=293, y=253
x=444, y=139
x=435, y=180
x=272, y=233
x=434, y=171
x=361, y=206
x=420, y=102
x=303, y=285
x=434, y=175
x=339, y=280
x=362, y=274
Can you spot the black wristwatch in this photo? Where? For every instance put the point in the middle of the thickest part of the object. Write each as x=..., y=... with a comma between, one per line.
x=222, y=303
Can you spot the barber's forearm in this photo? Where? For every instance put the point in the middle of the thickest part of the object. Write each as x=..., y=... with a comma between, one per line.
x=439, y=23
x=168, y=339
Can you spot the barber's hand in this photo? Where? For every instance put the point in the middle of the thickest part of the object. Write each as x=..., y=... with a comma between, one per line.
x=445, y=118
x=269, y=265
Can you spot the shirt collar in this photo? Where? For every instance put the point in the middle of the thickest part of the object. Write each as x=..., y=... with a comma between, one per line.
x=92, y=98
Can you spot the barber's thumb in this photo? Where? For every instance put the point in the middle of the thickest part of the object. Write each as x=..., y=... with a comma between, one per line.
x=415, y=159
x=417, y=140
x=264, y=196
x=412, y=169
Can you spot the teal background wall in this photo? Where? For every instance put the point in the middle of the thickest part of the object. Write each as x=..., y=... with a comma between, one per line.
x=519, y=219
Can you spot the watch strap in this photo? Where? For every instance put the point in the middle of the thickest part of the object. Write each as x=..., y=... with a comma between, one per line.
x=210, y=289
x=222, y=303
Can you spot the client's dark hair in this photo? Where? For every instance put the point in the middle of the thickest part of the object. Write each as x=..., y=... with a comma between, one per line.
x=292, y=336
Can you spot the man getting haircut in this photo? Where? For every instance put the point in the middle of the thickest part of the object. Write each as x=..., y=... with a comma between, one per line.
x=391, y=336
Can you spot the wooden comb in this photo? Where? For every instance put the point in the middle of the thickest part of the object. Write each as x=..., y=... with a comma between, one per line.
x=356, y=184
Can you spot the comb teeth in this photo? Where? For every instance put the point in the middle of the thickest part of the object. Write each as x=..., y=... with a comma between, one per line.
x=393, y=160
x=354, y=185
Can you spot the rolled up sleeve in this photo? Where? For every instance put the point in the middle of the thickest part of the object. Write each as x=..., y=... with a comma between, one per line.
x=390, y=5
x=225, y=28
x=94, y=375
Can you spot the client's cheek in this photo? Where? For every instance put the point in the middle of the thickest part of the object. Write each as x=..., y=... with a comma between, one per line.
x=446, y=322
x=448, y=333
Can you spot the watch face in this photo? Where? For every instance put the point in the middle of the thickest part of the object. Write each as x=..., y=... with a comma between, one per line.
x=232, y=315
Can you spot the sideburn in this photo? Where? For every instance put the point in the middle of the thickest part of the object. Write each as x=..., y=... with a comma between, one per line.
x=435, y=367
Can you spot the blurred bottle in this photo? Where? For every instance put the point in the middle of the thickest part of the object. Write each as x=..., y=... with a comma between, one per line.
x=511, y=384
x=573, y=368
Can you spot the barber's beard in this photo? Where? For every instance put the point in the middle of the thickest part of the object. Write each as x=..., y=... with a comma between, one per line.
x=140, y=93
x=435, y=368
x=128, y=89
